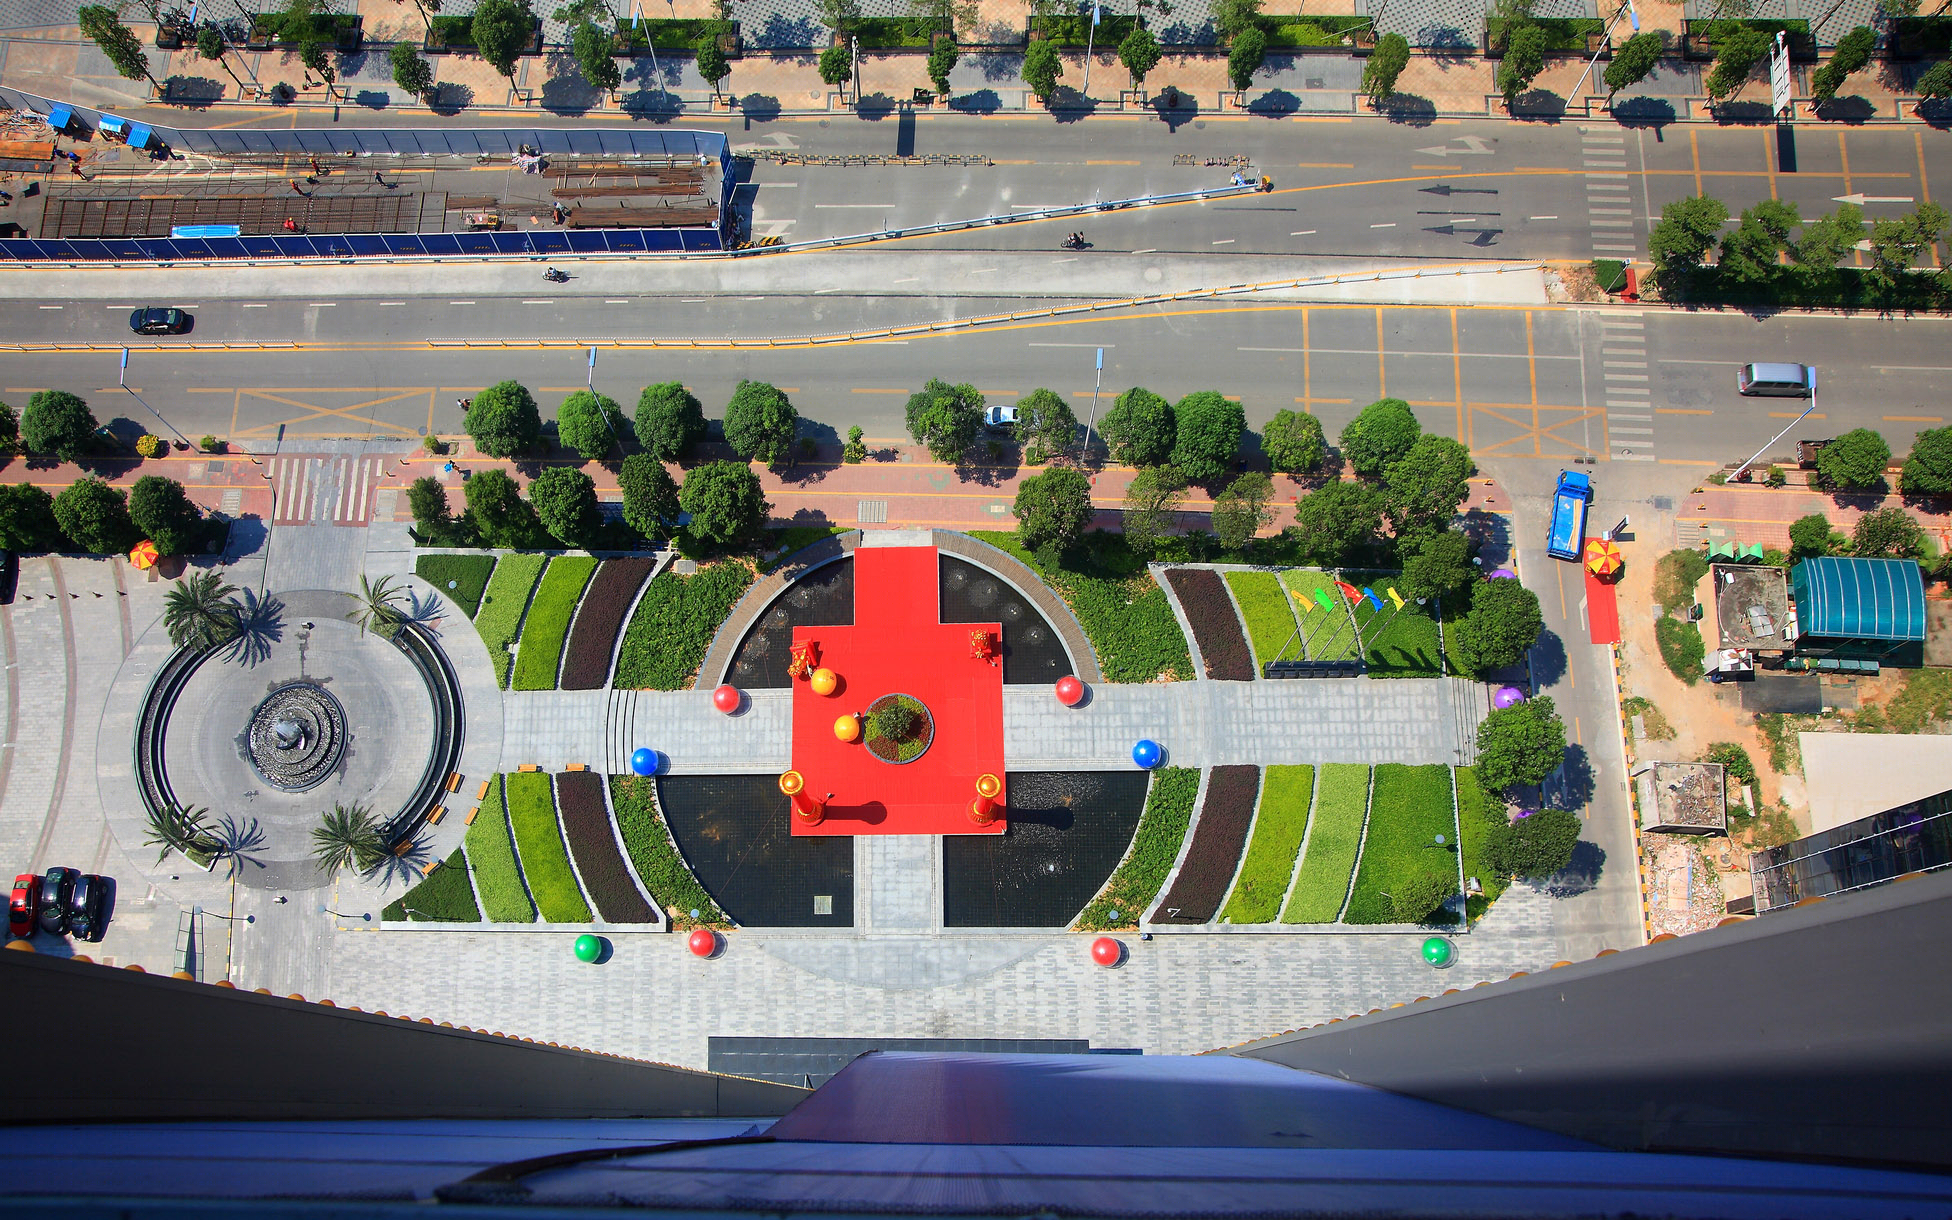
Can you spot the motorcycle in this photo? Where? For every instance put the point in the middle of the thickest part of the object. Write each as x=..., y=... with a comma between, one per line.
x=556, y=277
x=1076, y=241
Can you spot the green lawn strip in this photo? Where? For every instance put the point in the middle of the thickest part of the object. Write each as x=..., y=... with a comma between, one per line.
x=1477, y=813
x=674, y=624
x=445, y=897
x=1123, y=611
x=502, y=606
x=1327, y=634
x=492, y=852
x=1406, y=644
x=539, y=841
x=547, y=625
x=1264, y=608
x=655, y=857
x=795, y=538
x=1409, y=808
x=1270, y=862
x=1334, y=840
x=469, y=574
x=1155, y=845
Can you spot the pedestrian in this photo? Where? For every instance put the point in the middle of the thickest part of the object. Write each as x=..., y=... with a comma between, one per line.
x=1238, y=180
x=378, y=179
x=315, y=166
x=448, y=469
x=291, y=226
x=297, y=189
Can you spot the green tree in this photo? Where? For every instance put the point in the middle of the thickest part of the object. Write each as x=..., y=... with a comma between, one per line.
x=1852, y=52
x=1896, y=244
x=760, y=423
x=1935, y=82
x=180, y=829
x=1294, y=443
x=1519, y=746
x=1417, y=896
x=1240, y=511
x=500, y=515
x=9, y=430
x=1053, y=508
x=1139, y=51
x=670, y=421
x=317, y=57
x=165, y=515
x=1206, y=435
x=650, y=495
x=198, y=613
x=1537, y=846
x=27, y=518
x=893, y=721
x=1236, y=17
x=939, y=18
x=348, y=836
x=1425, y=487
x=1636, y=57
x=1524, y=60
x=504, y=420
x=1854, y=460
x=591, y=424
x=942, y=61
x=843, y=17
x=1042, y=68
x=1439, y=567
x=1811, y=536
x=1386, y=62
x=854, y=452
x=1377, y=438
x=1501, y=628
x=946, y=418
x=211, y=46
x=1686, y=231
x=712, y=63
x=1887, y=533
x=1828, y=240
x=377, y=607
x=591, y=44
x=433, y=520
x=725, y=503
x=1928, y=468
x=1046, y=427
x=1737, y=51
x=410, y=71
x=1337, y=522
x=58, y=424
x=1245, y=57
x=836, y=65
x=95, y=517
x=1139, y=428
x=1749, y=254
x=502, y=31
x=565, y=502
x=1152, y=501
x=117, y=41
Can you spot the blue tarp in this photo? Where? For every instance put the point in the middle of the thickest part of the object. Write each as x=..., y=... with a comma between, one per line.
x=1859, y=599
x=139, y=135
x=61, y=117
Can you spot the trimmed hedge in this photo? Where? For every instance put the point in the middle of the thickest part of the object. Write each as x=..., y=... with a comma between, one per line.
x=1123, y=611
x=1334, y=842
x=468, y=572
x=547, y=624
x=539, y=843
x=586, y=820
x=593, y=636
x=659, y=865
x=1264, y=608
x=496, y=874
x=1155, y=845
x=1329, y=635
x=1286, y=793
x=1218, y=838
x=1311, y=31
x=444, y=897
x=502, y=607
x=1215, y=625
x=674, y=625
x=1409, y=807
x=1477, y=815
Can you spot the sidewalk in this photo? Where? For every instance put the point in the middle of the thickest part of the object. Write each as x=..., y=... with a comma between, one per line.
x=1755, y=514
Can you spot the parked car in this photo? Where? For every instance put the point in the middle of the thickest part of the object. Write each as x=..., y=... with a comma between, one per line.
x=9, y=576
x=21, y=907
x=56, y=888
x=157, y=320
x=86, y=907
x=1000, y=416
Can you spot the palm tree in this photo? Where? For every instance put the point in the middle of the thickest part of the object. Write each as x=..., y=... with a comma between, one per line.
x=348, y=835
x=196, y=614
x=232, y=842
x=260, y=624
x=379, y=607
x=405, y=861
x=175, y=828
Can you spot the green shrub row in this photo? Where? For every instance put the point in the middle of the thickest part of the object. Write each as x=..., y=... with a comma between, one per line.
x=1334, y=842
x=659, y=866
x=496, y=874
x=674, y=624
x=1408, y=809
x=1264, y=608
x=502, y=606
x=1315, y=31
x=539, y=842
x=1285, y=796
x=468, y=573
x=547, y=624
x=445, y=897
x=1155, y=845
x=1477, y=814
x=1123, y=611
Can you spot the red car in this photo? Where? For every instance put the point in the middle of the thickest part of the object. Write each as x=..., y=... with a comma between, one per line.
x=20, y=908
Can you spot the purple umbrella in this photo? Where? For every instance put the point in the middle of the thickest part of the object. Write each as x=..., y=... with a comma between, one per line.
x=1502, y=574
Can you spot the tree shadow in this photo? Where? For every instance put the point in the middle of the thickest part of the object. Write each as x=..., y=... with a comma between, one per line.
x=657, y=105
x=566, y=91
x=192, y=92
x=781, y=34
x=1067, y=105
x=1580, y=874
x=982, y=101
x=1548, y=659
x=236, y=841
x=759, y=107
x=1002, y=67
x=260, y=624
x=1175, y=109
x=372, y=99
x=403, y=862
x=448, y=98
x=1001, y=467
x=1490, y=535
x=1449, y=45
x=1538, y=105
x=1573, y=784
x=1743, y=114
x=1274, y=104
x=874, y=107
x=1854, y=111
x=1409, y=110
x=1936, y=113
x=247, y=535
x=1654, y=112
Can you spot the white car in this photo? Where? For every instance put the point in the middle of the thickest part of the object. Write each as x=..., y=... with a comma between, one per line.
x=1000, y=416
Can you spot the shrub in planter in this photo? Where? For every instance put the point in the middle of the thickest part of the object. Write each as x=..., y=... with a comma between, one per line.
x=593, y=636
x=1218, y=838
x=446, y=896
x=1215, y=625
x=586, y=821
x=656, y=858
x=899, y=728
x=1155, y=845
x=674, y=624
x=503, y=605
x=539, y=843
x=1334, y=841
x=547, y=624
x=148, y=446
x=461, y=579
x=492, y=851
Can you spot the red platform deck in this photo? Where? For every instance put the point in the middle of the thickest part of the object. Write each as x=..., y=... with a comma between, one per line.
x=898, y=645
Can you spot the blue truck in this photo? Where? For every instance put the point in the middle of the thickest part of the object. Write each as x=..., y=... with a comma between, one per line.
x=1569, y=501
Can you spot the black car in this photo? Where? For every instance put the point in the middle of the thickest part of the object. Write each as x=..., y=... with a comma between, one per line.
x=156, y=320
x=56, y=889
x=86, y=913
x=9, y=576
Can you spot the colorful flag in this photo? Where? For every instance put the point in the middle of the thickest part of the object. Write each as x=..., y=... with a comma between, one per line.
x=1321, y=596
x=1395, y=598
x=1369, y=595
x=1349, y=591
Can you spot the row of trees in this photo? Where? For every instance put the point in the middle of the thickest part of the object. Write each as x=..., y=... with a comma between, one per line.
x=760, y=422
x=1750, y=257
x=726, y=505
x=91, y=516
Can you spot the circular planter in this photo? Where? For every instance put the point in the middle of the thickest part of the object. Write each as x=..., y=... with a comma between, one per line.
x=913, y=746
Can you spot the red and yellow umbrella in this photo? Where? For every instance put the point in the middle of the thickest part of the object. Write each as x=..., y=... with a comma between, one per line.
x=1603, y=558
x=144, y=554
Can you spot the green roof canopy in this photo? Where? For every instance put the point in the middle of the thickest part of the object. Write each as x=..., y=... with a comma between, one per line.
x=1864, y=599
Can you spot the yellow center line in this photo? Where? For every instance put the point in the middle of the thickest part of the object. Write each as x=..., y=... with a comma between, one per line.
x=1914, y=419
x=1795, y=415
x=1694, y=150
x=1680, y=411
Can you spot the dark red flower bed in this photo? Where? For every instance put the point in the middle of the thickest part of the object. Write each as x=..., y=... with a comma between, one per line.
x=593, y=636
x=1203, y=596
x=1218, y=838
x=579, y=794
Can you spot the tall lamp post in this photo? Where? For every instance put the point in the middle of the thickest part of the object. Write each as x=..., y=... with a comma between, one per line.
x=1633, y=15
x=1095, y=388
x=1740, y=470
x=122, y=379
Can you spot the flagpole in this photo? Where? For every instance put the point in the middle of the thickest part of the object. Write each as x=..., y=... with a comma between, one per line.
x=637, y=23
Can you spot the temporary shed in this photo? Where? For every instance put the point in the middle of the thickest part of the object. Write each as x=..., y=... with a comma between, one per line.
x=1858, y=610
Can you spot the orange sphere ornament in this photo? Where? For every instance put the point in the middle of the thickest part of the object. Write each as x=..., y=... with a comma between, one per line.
x=824, y=681
x=848, y=728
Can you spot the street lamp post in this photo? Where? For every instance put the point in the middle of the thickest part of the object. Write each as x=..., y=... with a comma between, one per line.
x=195, y=911
x=1739, y=470
x=122, y=379
x=589, y=381
x=365, y=916
x=1627, y=8
x=1096, y=387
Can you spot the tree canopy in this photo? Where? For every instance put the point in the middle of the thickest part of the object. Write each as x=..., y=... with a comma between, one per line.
x=410, y=71
x=711, y=62
x=1636, y=57
x=591, y=424
x=27, y=518
x=1294, y=443
x=1887, y=533
x=1928, y=468
x=1854, y=460
x=504, y=420
x=1687, y=230
x=1503, y=624
x=1206, y=435
x=1139, y=428
x=1053, y=508
x=760, y=423
x=670, y=421
x=1524, y=60
x=1811, y=535
x=1337, y=522
x=725, y=501
x=1381, y=434
x=1852, y=52
x=1386, y=62
x=502, y=31
x=1046, y=426
x=946, y=418
x=1240, y=511
x=1536, y=846
x=1519, y=746
x=117, y=41
x=565, y=502
x=59, y=424
x=591, y=44
x=1152, y=501
x=1245, y=57
x=1139, y=51
x=1425, y=487
x=159, y=508
x=650, y=495
x=1440, y=566
x=95, y=517
x=942, y=61
x=1042, y=68
x=502, y=518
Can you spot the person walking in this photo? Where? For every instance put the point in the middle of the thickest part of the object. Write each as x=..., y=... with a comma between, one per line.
x=298, y=190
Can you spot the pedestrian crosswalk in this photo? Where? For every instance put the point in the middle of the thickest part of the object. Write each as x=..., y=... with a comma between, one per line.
x=1629, y=398
x=1609, y=196
x=323, y=490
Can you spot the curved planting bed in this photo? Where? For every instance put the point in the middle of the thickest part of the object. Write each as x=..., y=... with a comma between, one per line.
x=547, y=624
x=586, y=820
x=1155, y=845
x=1216, y=628
x=461, y=578
x=1068, y=830
x=1408, y=809
x=503, y=894
x=445, y=897
x=1334, y=841
x=502, y=607
x=1218, y=838
x=539, y=844
x=599, y=620
x=662, y=870
x=1270, y=863
x=674, y=624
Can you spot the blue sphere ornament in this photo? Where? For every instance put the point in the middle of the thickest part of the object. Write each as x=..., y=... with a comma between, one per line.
x=643, y=760
x=1147, y=753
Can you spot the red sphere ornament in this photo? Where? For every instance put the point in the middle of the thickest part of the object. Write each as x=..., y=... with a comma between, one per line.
x=1107, y=952
x=726, y=698
x=703, y=942
x=1069, y=690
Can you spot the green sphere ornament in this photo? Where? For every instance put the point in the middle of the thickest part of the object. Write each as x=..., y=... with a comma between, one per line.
x=589, y=948
x=1439, y=952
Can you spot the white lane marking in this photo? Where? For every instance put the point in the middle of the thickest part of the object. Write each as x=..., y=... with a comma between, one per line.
x=1225, y=241
x=1617, y=429
x=1301, y=233
x=51, y=307
x=1610, y=211
x=1064, y=260
x=460, y=302
x=1626, y=415
x=539, y=301
x=838, y=206
x=913, y=279
x=984, y=271
x=322, y=305
x=821, y=292
x=240, y=307
x=1388, y=224
x=1611, y=224
x=1623, y=364
x=386, y=303
x=1155, y=249
x=616, y=300
x=1542, y=218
